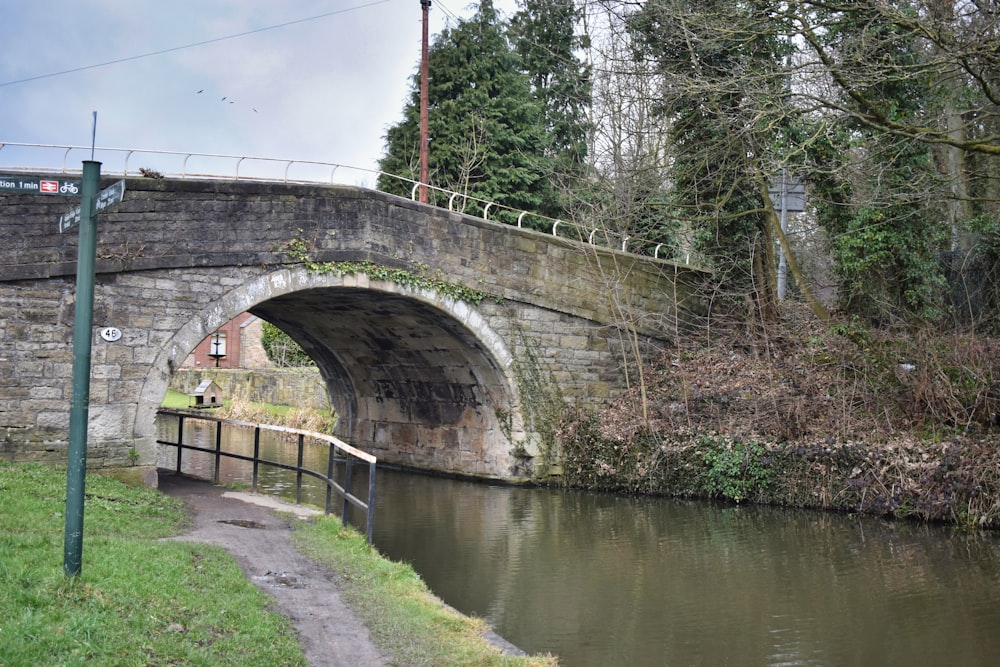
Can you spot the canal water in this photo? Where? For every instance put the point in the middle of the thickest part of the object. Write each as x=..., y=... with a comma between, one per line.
x=599, y=579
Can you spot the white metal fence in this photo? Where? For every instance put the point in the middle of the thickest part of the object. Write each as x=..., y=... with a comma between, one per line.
x=125, y=162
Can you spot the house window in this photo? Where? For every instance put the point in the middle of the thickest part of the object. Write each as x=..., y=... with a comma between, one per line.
x=217, y=346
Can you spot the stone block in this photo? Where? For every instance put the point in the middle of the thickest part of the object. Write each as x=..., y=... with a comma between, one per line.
x=193, y=276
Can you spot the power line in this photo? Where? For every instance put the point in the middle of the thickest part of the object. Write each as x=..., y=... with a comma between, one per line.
x=191, y=46
x=447, y=12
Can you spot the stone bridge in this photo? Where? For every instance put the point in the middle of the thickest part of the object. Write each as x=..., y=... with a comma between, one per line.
x=447, y=342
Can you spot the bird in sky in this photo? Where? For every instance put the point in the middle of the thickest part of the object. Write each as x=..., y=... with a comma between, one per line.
x=226, y=98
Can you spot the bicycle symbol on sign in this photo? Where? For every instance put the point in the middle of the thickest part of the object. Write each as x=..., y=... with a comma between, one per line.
x=69, y=188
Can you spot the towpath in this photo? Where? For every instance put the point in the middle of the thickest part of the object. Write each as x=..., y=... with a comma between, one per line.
x=247, y=526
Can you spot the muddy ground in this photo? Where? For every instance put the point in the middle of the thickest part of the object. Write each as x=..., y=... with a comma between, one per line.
x=247, y=526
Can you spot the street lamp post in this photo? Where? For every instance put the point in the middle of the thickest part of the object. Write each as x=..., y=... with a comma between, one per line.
x=218, y=349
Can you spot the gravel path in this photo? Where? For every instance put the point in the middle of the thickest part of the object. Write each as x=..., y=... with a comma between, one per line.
x=246, y=526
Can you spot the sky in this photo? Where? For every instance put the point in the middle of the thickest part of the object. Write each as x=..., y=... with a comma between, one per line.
x=324, y=87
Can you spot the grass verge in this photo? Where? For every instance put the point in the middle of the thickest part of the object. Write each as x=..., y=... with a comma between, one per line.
x=176, y=400
x=241, y=408
x=405, y=619
x=139, y=600
x=144, y=601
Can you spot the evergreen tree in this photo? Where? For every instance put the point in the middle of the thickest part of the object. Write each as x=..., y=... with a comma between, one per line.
x=487, y=140
x=721, y=64
x=883, y=210
x=544, y=33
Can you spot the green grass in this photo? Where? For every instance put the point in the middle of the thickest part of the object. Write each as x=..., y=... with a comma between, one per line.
x=176, y=400
x=142, y=601
x=138, y=601
x=270, y=413
x=405, y=620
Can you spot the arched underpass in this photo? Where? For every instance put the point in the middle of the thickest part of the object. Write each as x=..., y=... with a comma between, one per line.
x=410, y=382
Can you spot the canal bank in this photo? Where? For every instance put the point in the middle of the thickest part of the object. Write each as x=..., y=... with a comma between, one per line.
x=600, y=578
x=956, y=481
x=796, y=413
x=301, y=386
x=258, y=531
x=801, y=413
x=260, y=542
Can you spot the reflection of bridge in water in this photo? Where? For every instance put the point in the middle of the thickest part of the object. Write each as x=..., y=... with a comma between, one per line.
x=441, y=337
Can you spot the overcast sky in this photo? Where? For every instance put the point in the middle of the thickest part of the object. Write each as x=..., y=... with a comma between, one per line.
x=324, y=89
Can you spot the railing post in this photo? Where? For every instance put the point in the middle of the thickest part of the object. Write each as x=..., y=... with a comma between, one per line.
x=256, y=457
x=298, y=471
x=218, y=449
x=349, y=454
x=347, y=489
x=180, y=441
x=371, y=500
x=329, y=476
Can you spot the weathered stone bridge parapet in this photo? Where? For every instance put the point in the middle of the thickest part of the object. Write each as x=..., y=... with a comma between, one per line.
x=446, y=351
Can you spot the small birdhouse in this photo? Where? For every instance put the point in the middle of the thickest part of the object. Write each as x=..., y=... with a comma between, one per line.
x=207, y=395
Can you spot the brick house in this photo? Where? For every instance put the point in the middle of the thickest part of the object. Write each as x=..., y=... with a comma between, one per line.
x=236, y=344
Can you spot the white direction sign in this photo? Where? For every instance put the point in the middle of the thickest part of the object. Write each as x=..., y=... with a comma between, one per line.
x=105, y=198
x=39, y=186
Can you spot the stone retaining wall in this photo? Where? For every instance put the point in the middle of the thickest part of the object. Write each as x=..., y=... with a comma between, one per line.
x=298, y=387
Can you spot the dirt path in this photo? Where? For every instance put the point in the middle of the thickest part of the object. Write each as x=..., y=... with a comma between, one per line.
x=246, y=526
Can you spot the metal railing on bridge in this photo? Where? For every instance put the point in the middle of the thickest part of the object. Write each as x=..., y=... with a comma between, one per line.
x=338, y=452
x=121, y=162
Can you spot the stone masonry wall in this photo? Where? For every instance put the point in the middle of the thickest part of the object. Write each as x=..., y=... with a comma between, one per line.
x=176, y=259
x=299, y=387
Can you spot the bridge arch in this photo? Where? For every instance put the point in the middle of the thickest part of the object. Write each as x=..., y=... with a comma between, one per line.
x=421, y=379
x=417, y=377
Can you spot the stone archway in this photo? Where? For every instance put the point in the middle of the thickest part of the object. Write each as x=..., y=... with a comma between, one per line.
x=418, y=378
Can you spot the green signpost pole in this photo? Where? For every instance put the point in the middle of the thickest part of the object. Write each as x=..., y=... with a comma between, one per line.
x=76, y=471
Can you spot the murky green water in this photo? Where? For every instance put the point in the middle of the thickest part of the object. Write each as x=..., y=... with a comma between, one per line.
x=607, y=580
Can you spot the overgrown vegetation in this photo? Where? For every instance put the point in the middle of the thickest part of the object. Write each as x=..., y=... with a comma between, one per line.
x=798, y=413
x=299, y=251
x=542, y=406
x=241, y=407
x=669, y=122
x=405, y=619
x=281, y=349
x=139, y=600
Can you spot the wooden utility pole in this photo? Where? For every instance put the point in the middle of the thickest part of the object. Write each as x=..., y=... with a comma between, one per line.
x=425, y=7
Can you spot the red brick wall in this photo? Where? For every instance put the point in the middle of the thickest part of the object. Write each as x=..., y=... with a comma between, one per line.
x=243, y=348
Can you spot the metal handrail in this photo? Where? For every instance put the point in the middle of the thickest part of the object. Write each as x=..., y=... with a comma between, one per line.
x=348, y=454
x=577, y=230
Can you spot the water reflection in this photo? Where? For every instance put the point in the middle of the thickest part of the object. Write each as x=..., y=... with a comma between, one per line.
x=234, y=471
x=600, y=579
